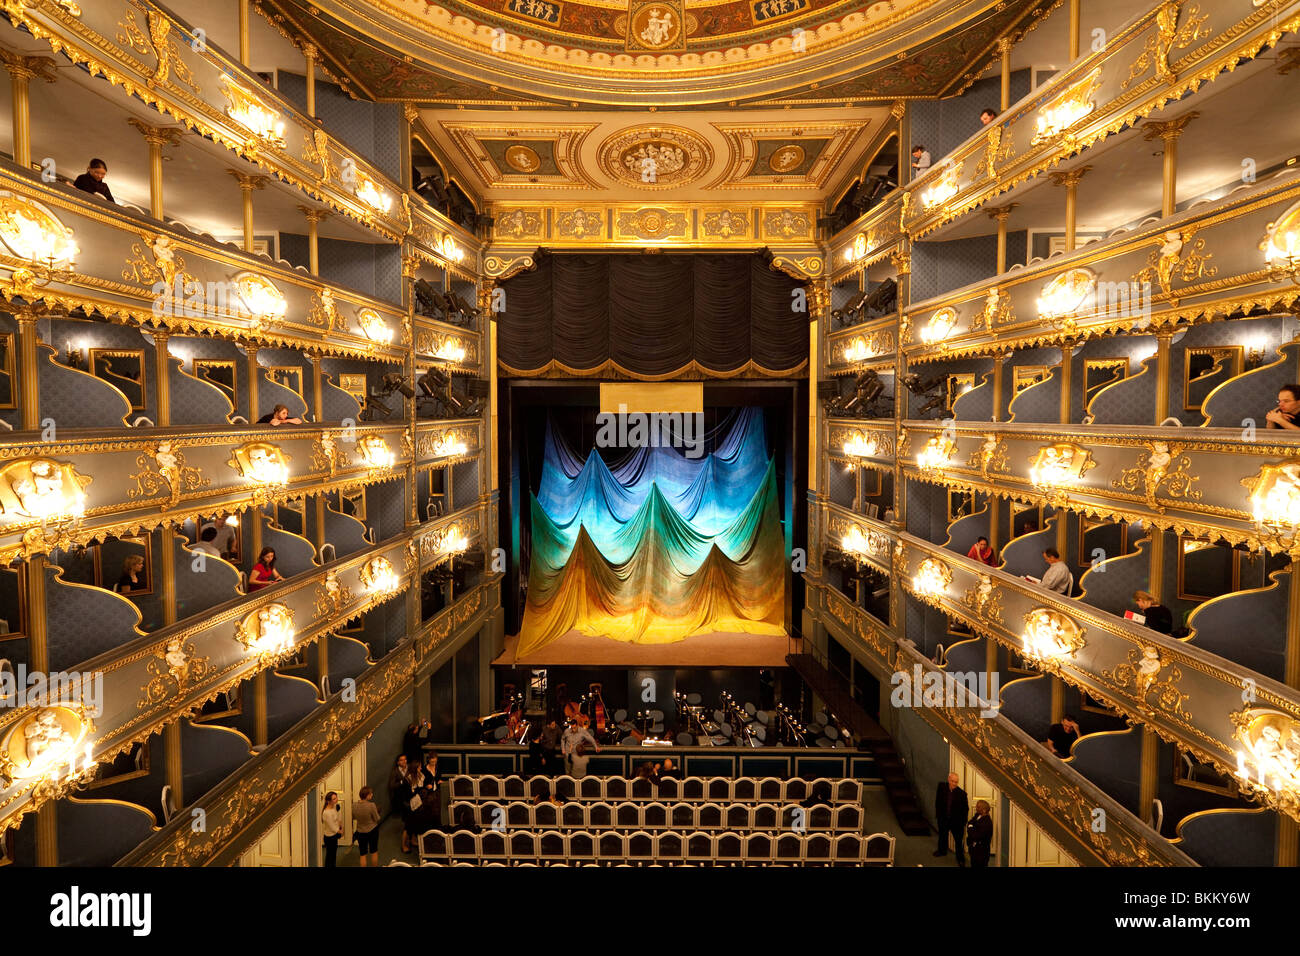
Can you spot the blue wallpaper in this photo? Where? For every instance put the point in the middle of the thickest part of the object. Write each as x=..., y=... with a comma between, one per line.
x=943, y=125
x=374, y=130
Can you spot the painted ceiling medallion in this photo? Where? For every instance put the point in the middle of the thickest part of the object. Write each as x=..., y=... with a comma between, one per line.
x=656, y=25
x=655, y=157
x=788, y=157
x=523, y=159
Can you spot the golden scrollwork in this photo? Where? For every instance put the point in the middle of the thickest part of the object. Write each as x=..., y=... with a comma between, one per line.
x=324, y=312
x=1171, y=34
x=1140, y=675
x=997, y=311
x=171, y=473
x=788, y=224
x=652, y=222
x=518, y=223
x=1161, y=463
x=998, y=148
x=171, y=671
x=317, y=151
x=325, y=453
x=725, y=223
x=985, y=600
x=331, y=596
x=991, y=455
x=1177, y=257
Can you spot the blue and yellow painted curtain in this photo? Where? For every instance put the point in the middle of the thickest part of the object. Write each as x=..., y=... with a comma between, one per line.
x=659, y=546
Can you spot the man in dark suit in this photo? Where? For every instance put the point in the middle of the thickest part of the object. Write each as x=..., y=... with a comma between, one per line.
x=951, y=810
x=979, y=834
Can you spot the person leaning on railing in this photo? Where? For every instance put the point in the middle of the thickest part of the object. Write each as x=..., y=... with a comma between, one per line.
x=92, y=180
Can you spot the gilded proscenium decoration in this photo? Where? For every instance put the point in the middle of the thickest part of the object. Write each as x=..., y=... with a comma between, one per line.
x=267, y=632
x=163, y=467
x=519, y=223
x=787, y=224
x=652, y=223
x=1068, y=107
x=1160, y=464
x=655, y=157
x=726, y=224
x=171, y=671
x=1275, y=504
x=985, y=600
x=1140, y=675
x=332, y=595
x=1178, y=26
x=1176, y=256
x=581, y=223
x=1268, y=760
x=1050, y=637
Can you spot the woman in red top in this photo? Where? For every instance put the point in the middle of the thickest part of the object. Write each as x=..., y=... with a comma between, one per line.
x=981, y=550
x=264, y=573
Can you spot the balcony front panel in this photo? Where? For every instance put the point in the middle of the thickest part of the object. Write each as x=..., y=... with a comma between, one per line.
x=136, y=271
x=1206, y=262
x=868, y=345
x=90, y=484
x=1154, y=60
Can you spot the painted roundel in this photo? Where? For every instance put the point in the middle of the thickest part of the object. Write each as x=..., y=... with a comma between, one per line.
x=523, y=159
x=655, y=157
x=786, y=158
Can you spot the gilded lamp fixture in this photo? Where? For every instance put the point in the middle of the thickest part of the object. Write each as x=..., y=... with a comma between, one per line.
x=1268, y=763
x=1067, y=295
x=932, y=578
x=1055, y=468
x=267, y=632
x=936, y=454
x=46, y=745
x=249, y=112
x=1050, y=637
x=939, y=327
x=260, y=298
x=1275, y=504
x=944, y=189
x=261, y=462
x=31, y=232
x=369, y=193
x=861, y=446
x=379, y=577
x=1282, y=244
x=375, y=453
x=448, y=541
x=450, y=351
x=1072, y=105
x=449, y=445
x=374, y=327
x=46, y=493
x=859, y=545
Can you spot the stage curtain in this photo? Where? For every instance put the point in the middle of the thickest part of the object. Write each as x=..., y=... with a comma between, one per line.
x=653, y=317
x=659, y=546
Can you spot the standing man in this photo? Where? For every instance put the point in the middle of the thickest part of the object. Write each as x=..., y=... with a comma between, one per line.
x=575, y=735
x=951, y=809
x=979, y=835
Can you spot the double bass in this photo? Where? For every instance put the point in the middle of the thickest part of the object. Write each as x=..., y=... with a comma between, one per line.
x=598, y=716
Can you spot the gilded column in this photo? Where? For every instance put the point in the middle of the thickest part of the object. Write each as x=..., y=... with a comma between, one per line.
x=245, y=57
x=1291, y=667
x=314, y=217
x=1074, y=30
x=902, y=261
x=162, y=389
x=1070, y=180
x=1004, y=49
x=1288, y=846
x=247, y=183
x=1169, y=132
x=1000, y=213
x=47, y=830
x=1163, y=373
x=1148, y=773
x=29, y=396
x=21, y=70
x=255, y=513
x=310, y=53
x=166, y=563
x=259, y=710
x=157, y=137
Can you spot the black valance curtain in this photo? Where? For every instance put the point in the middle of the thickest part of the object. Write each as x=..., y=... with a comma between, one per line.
x=651, y=317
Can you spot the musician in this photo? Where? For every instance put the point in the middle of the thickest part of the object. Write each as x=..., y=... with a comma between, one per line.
x=951, y=809
x=979, y=835
x=575, y=735
x=1288, y=408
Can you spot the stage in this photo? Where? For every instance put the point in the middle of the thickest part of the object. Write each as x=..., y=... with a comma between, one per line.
x=720, y=649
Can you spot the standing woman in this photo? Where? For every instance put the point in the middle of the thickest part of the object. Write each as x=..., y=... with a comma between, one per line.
x=365, y=826
x=132, y=578
x=331, y=827
x=264, y=573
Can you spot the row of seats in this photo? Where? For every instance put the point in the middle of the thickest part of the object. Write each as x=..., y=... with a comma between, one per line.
x=845, y=818
x=687, y=789
x=669, y=847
